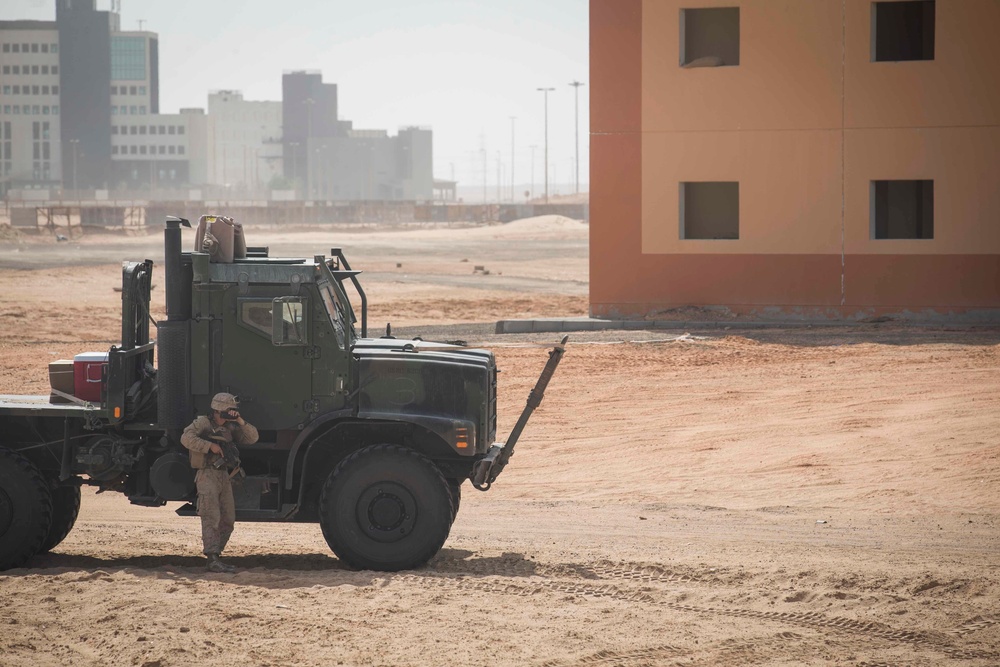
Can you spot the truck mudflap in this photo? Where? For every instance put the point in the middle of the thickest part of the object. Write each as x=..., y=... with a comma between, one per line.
x=486, y=470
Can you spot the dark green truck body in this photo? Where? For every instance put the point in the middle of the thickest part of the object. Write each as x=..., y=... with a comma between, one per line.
x=370, y=437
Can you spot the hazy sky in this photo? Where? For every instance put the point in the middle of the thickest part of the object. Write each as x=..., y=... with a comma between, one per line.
x=461, y=67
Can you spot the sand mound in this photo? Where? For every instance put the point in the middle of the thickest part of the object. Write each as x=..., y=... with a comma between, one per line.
x=542, y=226
x=546, y=223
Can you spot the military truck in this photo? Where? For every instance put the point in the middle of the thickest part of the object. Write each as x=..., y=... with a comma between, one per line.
x=371, y=437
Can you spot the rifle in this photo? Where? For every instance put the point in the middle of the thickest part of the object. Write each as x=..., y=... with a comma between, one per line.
x=230, y=459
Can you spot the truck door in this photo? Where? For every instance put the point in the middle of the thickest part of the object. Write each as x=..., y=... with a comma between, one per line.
x=331, y=362
x=267, y=360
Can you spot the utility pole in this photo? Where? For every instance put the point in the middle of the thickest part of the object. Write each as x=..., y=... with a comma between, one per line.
x=499, y=195
x=512, y=119
x=546, y=92
x=576, y=107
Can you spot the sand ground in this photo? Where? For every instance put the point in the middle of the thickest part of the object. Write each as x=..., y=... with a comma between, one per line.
x=821, y=497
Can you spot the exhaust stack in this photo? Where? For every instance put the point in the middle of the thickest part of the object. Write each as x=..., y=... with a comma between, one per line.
x=178, y=298
x=173, y=377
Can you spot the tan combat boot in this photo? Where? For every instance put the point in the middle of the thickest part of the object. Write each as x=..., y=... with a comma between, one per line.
x=216, y=565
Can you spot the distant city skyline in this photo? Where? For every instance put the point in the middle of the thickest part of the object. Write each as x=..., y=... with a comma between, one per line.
x=462, y=68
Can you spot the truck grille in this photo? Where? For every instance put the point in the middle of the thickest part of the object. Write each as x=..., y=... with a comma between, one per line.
x=491, y=414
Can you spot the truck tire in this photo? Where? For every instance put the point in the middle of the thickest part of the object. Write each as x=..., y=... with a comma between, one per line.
x=385, y=508
x=25, y=509
x=65, y=509
x=455, y=488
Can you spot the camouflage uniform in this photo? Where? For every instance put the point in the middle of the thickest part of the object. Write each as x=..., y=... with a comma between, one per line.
x=215, y=492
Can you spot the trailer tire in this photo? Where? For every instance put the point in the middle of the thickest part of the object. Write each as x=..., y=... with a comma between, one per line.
x=386, y=508
x=65, y=509
x=25, y=509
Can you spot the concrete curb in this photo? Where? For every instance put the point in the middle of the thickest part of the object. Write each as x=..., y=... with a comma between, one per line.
x=569, y=324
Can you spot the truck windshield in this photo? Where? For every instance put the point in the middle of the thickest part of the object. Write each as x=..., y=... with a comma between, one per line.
x=336, y=310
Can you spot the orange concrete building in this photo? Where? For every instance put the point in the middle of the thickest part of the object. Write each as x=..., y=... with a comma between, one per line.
x=829, y=158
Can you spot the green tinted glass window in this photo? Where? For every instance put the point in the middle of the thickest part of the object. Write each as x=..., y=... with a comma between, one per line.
x=128, y=58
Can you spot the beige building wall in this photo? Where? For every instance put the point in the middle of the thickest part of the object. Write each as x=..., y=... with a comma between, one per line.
x=244, y=142
x=804, y=124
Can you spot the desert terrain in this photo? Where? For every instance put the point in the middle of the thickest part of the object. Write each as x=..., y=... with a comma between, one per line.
x=820, y=496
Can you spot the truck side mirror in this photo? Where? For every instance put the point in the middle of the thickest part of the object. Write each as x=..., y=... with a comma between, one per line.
x=289, y=324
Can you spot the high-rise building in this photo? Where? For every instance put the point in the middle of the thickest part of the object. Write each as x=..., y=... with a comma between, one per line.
x=308, y=111
x=80, y=107
x=30, y=107
x=85, y=91
x=149, y=150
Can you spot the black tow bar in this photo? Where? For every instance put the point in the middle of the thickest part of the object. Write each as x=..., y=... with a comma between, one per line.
x=487, y=469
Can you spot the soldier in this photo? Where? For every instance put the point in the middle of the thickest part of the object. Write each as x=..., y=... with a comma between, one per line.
x=207, y=437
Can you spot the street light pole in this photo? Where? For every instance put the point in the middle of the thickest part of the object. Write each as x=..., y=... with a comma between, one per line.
x=531, y=189
x=512, y=119
x=546, y=92
x=485, y=171
x=576, y=108
x=75, y=143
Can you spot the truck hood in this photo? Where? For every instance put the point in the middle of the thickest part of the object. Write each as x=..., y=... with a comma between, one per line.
x=407, y=379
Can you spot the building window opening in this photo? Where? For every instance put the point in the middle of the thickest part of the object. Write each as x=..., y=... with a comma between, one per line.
x=710, y=210
x=710, y=37
x=902, y=31
x=902, y=210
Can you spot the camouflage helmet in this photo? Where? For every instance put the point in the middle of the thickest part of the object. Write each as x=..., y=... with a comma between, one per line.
x=223, y=401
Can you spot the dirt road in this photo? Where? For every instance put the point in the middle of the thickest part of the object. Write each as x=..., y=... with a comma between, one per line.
x=821, y=497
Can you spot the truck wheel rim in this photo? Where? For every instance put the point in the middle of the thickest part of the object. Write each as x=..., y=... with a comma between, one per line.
x=386, y=512
x=6, y=512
